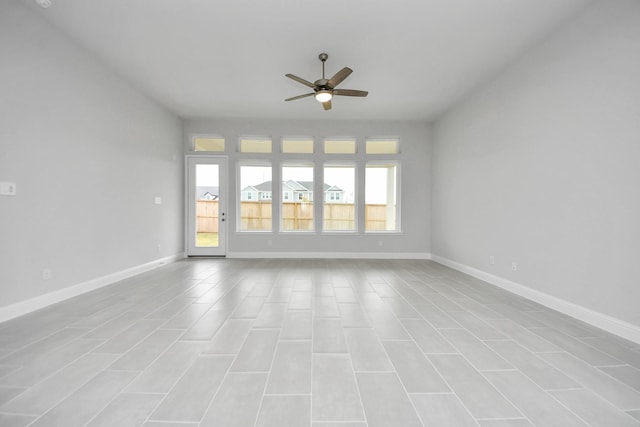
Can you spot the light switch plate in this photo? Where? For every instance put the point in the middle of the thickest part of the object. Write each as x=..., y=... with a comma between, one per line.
x=7, y=188
x=157, y=200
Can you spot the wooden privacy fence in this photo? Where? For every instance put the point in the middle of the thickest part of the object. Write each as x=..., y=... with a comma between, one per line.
x=295, y=216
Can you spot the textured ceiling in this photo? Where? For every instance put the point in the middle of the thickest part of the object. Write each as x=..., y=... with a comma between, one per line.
x=228, y=58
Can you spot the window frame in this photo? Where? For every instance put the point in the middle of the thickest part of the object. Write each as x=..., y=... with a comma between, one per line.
x=398, y=195
x=251, y=163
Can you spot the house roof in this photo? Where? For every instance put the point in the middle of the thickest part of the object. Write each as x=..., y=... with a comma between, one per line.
x=293, y=186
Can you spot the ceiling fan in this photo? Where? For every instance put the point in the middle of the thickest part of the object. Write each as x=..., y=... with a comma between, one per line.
x=324, y=89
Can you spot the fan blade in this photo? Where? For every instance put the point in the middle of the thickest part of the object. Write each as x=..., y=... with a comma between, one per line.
x=327, y=105
x=301, y=80
x=300, y=96
x=339, y=77
x=350, y=92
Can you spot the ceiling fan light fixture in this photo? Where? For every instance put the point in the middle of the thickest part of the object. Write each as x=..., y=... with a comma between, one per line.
x=323, y=96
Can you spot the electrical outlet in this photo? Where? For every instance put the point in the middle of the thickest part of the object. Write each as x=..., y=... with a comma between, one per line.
x=47, y=274
x=514, y=266
x=492, y=260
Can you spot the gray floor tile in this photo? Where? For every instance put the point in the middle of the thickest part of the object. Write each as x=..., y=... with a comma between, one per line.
x=291, y=371
x=285, y=411
x=262, y=290
x=55, y=340
x=206, y=326
x=165, y=371
x=593, y=409
x=338, y=424
x=367, y=353
x=297, y=325
x=387, y=325
x=257, y=351
x=14, y=420
x=612, y=347
x=475, y=392
x=634, y=414
x=125, y=340
x=578, y=348
x=428, y=339
x=442, y=410
x=300, y=301
x=81, y=406
x=8, y=393
x=271, y=316
x=436, y=317
x=522, y=335
x=44, y=395
x=415, y=371
x=401, y=308
x=531, y=400
x=249, y=308
x=48, y=363
x=324, y=306
x=143, y=354
x=229, y=338
x=385, y=402
x=127, y=410
x=353, y=316
x=187, y=317
x=475, y=351
x=627, y=374
x=280, y=295
x=168, y=424
x=335, y=395
x=237, y=402
x=616, y=392
x=481, y=329
x=513, y=422
x=190, y=397
x=539, y=371
x=114, y=326
x=345, y=295
x=328, y=336
x=54, y=363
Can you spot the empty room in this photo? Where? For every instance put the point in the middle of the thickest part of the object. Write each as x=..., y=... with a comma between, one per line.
x=453, y=237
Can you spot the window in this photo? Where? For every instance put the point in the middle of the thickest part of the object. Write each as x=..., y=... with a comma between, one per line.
x=381, y=197
x=339, y=198
x=340, y=146
x=203, y=143
x=382, y=146
x=297, y=209
x=255, y=198
x=297, y=145
x=255, y=145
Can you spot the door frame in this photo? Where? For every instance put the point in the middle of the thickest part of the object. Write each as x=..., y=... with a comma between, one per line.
x=191, y=249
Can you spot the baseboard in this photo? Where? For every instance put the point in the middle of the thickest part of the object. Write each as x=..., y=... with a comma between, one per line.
x=610, y=324
x=332, y=255
x=25, y=307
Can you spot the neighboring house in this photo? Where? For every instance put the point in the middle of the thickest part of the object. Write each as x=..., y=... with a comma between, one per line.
x=292, y=191
x=207, y=193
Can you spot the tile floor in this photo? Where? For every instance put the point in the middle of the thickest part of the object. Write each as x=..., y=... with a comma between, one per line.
x=321, y=343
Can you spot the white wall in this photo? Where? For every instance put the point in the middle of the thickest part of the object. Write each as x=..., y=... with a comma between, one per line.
x=542, y=167
x=88, y=154
x=415, y=176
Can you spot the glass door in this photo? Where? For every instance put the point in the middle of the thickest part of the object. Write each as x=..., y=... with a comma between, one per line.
x=206, y=206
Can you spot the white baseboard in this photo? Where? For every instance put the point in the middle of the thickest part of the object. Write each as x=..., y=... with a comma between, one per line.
x=610, y=324
x=332, y=255
x=24, y=307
